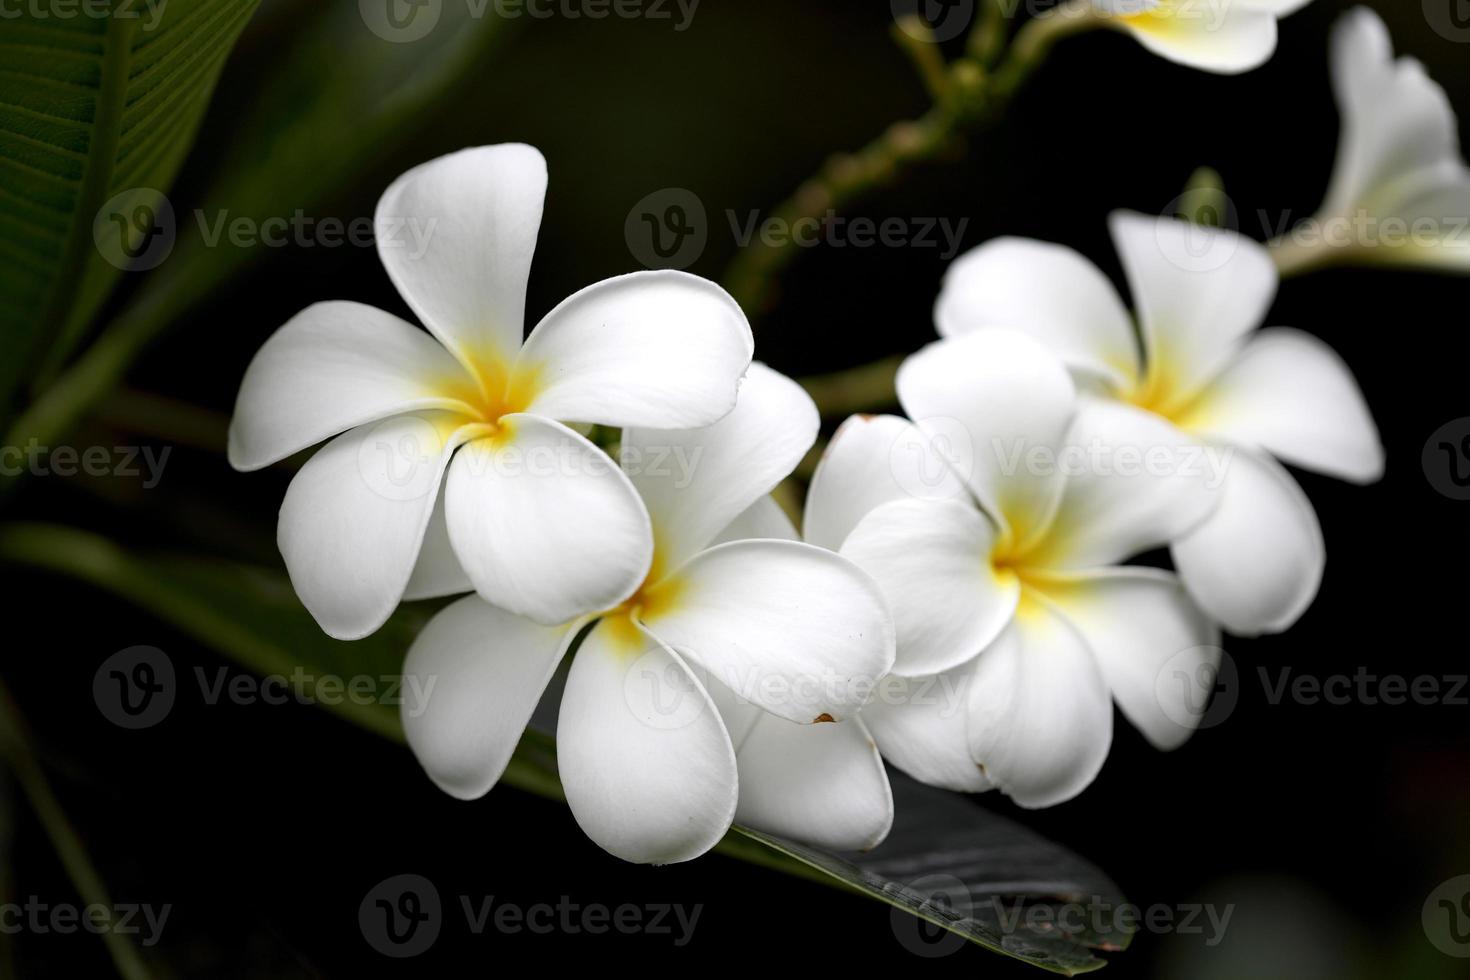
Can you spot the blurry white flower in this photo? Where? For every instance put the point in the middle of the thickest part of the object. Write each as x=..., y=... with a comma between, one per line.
x=1400, y=192
x=991, y=524
x=653, y=745
x=1255, y=564
x=530, y=510
x=1224, y=36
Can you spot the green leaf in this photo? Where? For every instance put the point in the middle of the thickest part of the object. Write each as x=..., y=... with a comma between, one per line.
x=92, y=107
x=947, y=862
x=335, y=100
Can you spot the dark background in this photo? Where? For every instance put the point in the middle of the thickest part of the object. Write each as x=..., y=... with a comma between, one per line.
x=1327, y=826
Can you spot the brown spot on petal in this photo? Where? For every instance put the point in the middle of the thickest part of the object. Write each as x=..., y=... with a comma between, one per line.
x=822, y=717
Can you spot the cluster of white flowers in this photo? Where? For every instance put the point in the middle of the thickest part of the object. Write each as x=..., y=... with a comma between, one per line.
x=955, y=585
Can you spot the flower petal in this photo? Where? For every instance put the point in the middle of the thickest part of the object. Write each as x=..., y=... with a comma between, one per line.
x=1221, y=36
x=996, y=396
x=334, y=366
x=1197, y=291
x=1291, y=395
x=456, y=235
x=696, y=481
x=648, y=769
x=471, y=681
x=931, y=559
x=1048, y=292
x=438, y=571
x=544, y=523
x=762, y=519
x=1139, y=622
x=1040, y=719
x=1398, y=127
x=354, y=517
x=823, y=785
x=871, y=460
x=791, y=627
x=1256, y=563
x=1135, y=483
x=664, y=349
x=920, y=726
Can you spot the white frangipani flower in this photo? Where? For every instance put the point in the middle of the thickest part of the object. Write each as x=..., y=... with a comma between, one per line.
x=995, y=549
x=1255, y=564
x=530, y=511
x=1224, y=36
x=651, y=765
x=822, y=784
x=1400, y=191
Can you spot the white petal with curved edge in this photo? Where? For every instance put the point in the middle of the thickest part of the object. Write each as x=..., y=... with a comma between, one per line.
x=544, y=523
x=645, y=761
x=791, y=627
x=354, y=517
x=1040, y=718
x=1398, y=126
x=931, y=559
x=998, y=397
x=456, y=235
x=1222, y=36
x=920, y=724
x=1135, y=482
x=471, y=681
x=1197, y=291
x=438, y=571
x=762, y=519
x=1256, y=563
x=1048, y=292
x=871, y=460
x=334, y=366
x=1291, y=395
x=662, y=348
x=696, y=481
x=820, y=784
x=1143, y=628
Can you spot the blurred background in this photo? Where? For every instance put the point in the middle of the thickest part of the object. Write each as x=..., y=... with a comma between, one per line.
x=1325, y=827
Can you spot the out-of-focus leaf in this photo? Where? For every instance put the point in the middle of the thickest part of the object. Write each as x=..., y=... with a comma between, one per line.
x=970, y=874
x=95, y=111
x=338, y=99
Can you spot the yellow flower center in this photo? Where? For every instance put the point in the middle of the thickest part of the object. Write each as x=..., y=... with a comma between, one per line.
x=492, y=386
x=653, y=597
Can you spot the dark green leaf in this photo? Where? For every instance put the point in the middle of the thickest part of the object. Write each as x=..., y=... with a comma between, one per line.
x=94, y=111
